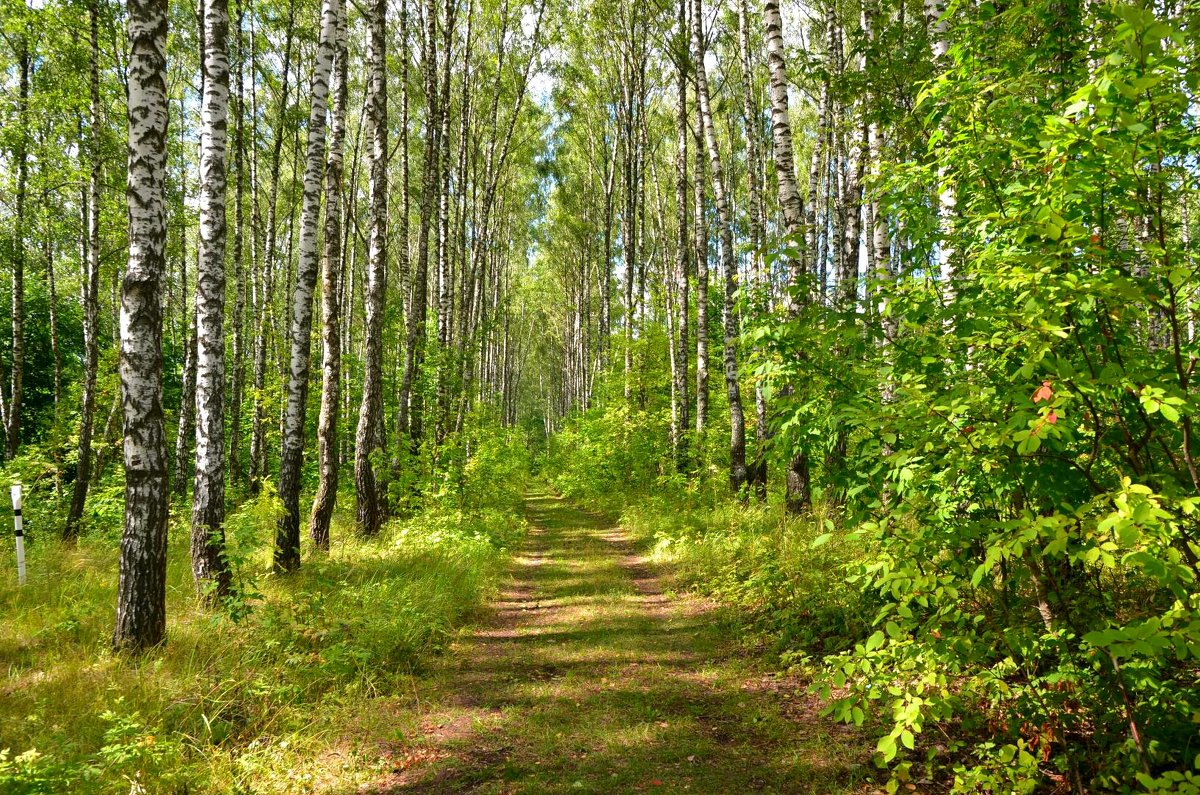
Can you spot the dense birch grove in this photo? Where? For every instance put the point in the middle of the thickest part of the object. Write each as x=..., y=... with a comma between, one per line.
x=920, y=278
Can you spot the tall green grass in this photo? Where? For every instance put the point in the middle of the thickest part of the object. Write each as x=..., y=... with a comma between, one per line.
x=788, y=579
x=257, y=697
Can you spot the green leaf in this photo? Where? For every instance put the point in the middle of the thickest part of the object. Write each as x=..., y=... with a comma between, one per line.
x=1029, y=445
x=887, y=747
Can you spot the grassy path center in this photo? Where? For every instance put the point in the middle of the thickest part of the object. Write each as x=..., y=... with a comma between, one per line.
x=589, y=678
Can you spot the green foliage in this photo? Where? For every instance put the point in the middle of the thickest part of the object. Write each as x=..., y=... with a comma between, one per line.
x=44, y=497
x=1018, y=467
x=247, y=698
x=786, y=578
x=602, y=452
x=484, y=467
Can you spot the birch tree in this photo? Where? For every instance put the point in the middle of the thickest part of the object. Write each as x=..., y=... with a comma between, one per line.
x=700, y=258
x=797, y=490
x=237, y=381
x=737, y=421
x=89, y=284
x=141, y=589
x=209, y=566
x=12, y=413
x=369, y=438
x=947, y=199
x=287, y=534
x=267, y=265
x=331, y=277
x=680, y=416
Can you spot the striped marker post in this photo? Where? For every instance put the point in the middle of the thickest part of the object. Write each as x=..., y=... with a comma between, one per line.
x=19, y=531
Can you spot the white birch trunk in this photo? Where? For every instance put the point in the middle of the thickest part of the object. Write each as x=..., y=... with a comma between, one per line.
x=369, y=438
x=737, y=421
x=939, y=42
x=89, y=288
x=209, y=567
x=680, y=419
x=287, y=534
x=331, y=274
x=141, y=589
x=797, y=487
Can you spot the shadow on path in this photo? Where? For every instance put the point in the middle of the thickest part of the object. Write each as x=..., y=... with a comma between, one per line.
x=588, y=678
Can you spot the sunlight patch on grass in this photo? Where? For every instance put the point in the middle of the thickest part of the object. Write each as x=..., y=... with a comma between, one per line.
x=252, y=703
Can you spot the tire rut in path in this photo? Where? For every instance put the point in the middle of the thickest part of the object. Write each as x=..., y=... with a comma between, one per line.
x=590, y=677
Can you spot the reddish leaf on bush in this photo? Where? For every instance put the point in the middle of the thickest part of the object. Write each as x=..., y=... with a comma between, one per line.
x=1043, y=392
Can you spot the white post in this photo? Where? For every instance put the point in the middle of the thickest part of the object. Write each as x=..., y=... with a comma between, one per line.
x=18, y=530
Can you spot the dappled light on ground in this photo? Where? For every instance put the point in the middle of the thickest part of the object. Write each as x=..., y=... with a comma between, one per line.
x=588, y=677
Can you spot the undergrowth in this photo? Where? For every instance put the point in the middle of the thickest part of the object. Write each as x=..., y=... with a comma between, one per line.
x=788, y=579
x=791, y=594
x=254, y=698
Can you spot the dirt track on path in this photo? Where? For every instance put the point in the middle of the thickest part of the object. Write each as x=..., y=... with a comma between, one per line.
x=590, y=677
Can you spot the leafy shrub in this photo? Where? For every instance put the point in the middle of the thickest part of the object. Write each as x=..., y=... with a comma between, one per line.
x=1018, y=452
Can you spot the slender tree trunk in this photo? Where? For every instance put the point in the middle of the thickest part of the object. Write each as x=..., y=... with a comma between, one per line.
x=185, y=431
x=209, y=566
x=89, y=286
x=17, y=375
x=606, y=270
x=700, y=256
x=947, y=200
x=237, y=382
x=185, y=427
x=781, y=138
x=680, y=419
x=411, y=398
x=812, y=231
x=443, y=276
x=283, y=341
x=760, y=284
x=287, y=535
x=737, y=421
x=629, y=216
x=108, y=438
x=331, y=274
x=797, y=489
x=346, y=293
x=405, y=209
x=756, y=213
x=141, y=589
x=880, y=238
x=52, y=296
x=258, y=430
x=369, y=438
x=852, y=213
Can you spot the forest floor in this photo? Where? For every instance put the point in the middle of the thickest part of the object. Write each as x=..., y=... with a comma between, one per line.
x=590, y=675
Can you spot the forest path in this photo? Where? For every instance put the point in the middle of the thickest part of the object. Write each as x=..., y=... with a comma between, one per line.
x=589, y=678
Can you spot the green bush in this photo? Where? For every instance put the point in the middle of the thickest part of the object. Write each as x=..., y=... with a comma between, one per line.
x=1017, y=467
